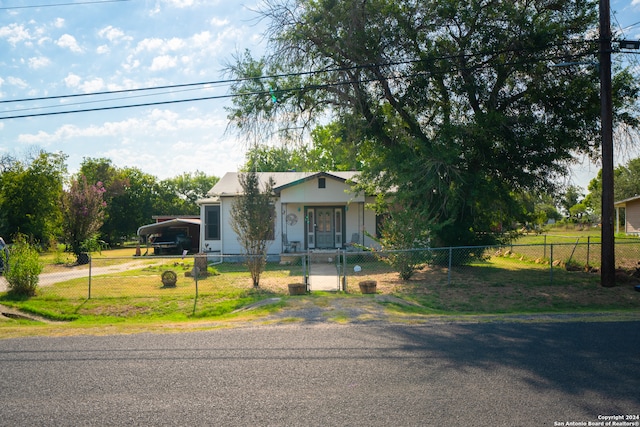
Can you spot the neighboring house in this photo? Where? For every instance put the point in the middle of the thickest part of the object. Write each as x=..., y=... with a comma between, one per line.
x=629, y=211
x=314, y=211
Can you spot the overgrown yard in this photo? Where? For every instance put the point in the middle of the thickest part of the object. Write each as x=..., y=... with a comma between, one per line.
x=136, y=299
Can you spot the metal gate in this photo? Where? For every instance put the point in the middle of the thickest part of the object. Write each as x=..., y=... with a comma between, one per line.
x=324, y=270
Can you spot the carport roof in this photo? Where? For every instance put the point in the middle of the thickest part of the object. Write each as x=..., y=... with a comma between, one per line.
x=145, y=230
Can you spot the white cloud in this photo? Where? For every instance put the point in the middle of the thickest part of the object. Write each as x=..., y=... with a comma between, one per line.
x=217, y=22
x=39, y=62
x=192, y=140
x=114, y=35
x=201, y=39
x=149, y=45
x=163, y=62
x=104, y=49
x=94, y=85
x=174, y=44
x=160, y=45
x=15, y=33
x=75, y=81
x=157, y=114
x=72, y=80
x=58, y=23
x=17, y=81
x=180, y=4
x=69, y=42
x=131, y=63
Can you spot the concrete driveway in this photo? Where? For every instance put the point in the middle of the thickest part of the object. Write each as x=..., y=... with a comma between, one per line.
x=48, y=279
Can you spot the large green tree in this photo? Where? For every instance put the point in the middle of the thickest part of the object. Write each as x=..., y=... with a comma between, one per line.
x=455, y=104
x=30, y=193
x=330, y=149
x=132, y=196
x=182, y=192
x=626, y=184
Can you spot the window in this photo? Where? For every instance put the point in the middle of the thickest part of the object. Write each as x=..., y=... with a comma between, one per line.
x=322, y=183
x=212, y=222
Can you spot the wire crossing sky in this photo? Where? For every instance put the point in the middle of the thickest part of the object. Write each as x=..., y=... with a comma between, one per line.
x=142, y=82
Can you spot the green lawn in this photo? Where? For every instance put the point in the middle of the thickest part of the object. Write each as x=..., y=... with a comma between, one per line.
x=136, y=299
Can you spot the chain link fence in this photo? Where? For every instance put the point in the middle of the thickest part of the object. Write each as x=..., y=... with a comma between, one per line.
x=219, y=277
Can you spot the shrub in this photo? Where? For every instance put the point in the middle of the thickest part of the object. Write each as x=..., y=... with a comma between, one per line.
x=401, y=232
x=23, y=268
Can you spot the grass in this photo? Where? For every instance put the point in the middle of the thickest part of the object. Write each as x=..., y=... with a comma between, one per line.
x=135, y=300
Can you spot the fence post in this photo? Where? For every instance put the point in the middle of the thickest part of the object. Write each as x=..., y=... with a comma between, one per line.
x=551, y=264
x=305, y=275
x=343, y=279
x=544, y=255
x=196, y=273
x=90, y=262
x=450, y=262
x=588, y=249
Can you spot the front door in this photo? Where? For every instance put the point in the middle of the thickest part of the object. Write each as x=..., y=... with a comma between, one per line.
x=325, y=232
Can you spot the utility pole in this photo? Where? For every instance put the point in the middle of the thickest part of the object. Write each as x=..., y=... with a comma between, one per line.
x=607, y=266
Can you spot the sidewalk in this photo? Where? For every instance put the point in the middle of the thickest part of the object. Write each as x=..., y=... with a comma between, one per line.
x=323, y=277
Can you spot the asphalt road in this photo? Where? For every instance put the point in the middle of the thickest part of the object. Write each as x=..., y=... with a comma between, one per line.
x=492, y=374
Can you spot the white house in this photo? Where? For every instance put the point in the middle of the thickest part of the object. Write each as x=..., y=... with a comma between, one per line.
x=629, y=211
x=315, y=211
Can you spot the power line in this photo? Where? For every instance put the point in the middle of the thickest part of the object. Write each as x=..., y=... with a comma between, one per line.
x=35, y=6
x=283, y=75
x=261, y=93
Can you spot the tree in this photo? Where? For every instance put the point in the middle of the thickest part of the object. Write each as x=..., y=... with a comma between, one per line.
x=132, y=197
x=179, y=194
x=626, y=183
x=571, y=197
x=83, y=214
x=253, y=220
x=136, y=205
x=115, y=184
x=330, y=149
x=400, y=234
x=450, y=102
x=29, y=197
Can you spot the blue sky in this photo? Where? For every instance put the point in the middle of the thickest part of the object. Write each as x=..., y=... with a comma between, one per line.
x=117, y=45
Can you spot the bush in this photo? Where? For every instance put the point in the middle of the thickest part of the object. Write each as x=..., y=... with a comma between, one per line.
x=23, y=268
x=401, y=232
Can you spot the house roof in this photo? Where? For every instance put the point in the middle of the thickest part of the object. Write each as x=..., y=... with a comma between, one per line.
x=145, y=230
x=229, y=184
x=625, y=201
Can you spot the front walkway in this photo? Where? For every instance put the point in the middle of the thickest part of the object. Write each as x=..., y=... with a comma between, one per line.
x=323, y=276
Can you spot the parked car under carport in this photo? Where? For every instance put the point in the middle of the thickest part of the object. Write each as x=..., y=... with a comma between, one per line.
x=173, y=236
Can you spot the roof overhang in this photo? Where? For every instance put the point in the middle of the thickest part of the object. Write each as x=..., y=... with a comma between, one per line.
x=622, y=203
x=145, y=230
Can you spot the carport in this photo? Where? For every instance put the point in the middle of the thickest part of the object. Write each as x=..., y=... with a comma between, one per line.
x=190, y=226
